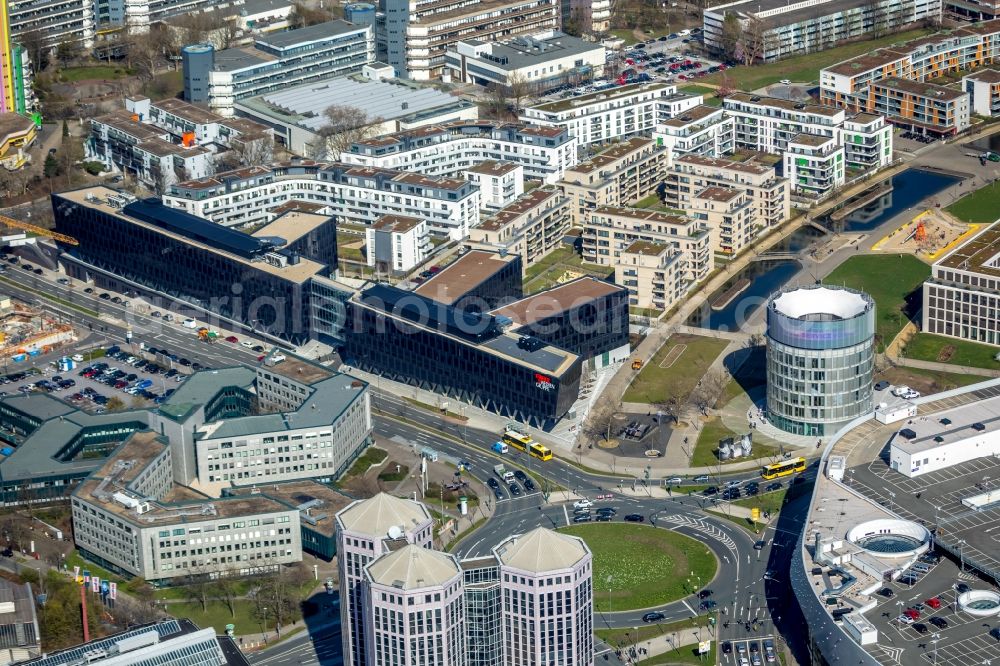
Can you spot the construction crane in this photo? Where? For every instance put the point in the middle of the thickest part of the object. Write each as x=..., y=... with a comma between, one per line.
x=31, y=228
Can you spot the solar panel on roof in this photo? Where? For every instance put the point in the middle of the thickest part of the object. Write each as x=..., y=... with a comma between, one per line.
x=152, y=211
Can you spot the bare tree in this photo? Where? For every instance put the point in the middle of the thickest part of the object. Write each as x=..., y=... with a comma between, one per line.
x=497, y=106
x=14, y=183
x=33, y=41
x=732, y=34
x=345, y=125
x=517, y=89
x=227, y=587
x=199, y=587
x=302, y=16
x=251, y=150
x=755, y=340
x=756, y=39
x=709, y=389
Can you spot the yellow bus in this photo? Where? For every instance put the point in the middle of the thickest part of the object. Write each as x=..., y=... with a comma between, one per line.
x=522, y=442
x=793, y=466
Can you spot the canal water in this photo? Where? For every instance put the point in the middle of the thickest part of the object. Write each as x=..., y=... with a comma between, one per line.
x=765, y=278
x=909, y=188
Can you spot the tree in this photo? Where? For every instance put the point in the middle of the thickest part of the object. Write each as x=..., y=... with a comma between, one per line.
x=33, y=41
x=14, y=183
x=65, y=129
x=732, y=33
x=574, y=23
x=227, y=587
x=302, y=16
x=251, y=150
x=67, y=52
x=70, y=152
x=199, y=587
x=51, y=166
x=708, y=389
x=517, y=89
x=756, y=38
x=115, y=404
x=755, y=340
x=345, y=125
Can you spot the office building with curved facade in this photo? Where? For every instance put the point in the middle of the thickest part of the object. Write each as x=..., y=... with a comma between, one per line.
x=820, y=354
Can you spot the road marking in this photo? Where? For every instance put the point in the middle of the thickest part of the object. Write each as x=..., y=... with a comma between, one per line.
x=686, y=605
x=566, y=514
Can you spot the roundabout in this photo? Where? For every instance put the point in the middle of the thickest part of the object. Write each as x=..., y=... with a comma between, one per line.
x=638, y=567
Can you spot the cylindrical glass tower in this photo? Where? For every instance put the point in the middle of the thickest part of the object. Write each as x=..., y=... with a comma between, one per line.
x=820, y=355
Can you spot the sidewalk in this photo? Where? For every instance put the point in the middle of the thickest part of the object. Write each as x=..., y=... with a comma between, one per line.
x=676, y=642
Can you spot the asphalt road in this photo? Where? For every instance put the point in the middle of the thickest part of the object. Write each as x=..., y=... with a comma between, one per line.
x=739, y=587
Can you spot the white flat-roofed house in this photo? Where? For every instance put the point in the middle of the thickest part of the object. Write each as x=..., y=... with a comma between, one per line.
x=924, y=445
x=500, y=183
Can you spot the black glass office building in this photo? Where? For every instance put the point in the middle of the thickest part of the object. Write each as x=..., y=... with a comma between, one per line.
x=169, y=255
x=588, y=317
x=466, y=355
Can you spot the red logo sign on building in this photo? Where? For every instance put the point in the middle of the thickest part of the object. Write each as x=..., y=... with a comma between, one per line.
x=543, y=382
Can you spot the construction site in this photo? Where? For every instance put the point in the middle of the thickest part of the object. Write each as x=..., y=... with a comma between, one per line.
x=26, y=332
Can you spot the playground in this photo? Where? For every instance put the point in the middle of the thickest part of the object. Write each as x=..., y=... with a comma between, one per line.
x=927, y=236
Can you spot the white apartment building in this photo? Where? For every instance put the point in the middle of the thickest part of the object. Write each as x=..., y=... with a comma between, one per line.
x=867, y=141
x=730, y=216
x=808, y=26
x=608, y=231
x=690, y=174
x=161, y=143
x=962, y=295
x=814, y=164
x=397, y=244
x=536, y=568
x=615, y=113
x=767, y=124
x=416, y=35
x=541, y=61
x=700, y=130
x=654, y=274
x=451, y=148
x=366, y=530
x=847, y=84
x=355, y=194
x=983, y=87
x=624, y=173
x=276, y=61
x=55, y=20
x=121, y=519
x=145, y=152
x=531, y=227
x=500, y=183
x=414, y=607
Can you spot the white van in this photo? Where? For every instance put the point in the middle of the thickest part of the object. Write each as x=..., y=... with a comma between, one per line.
x=684, y=33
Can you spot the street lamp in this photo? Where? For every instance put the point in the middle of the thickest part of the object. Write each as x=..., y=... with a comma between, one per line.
x=961, y=553
x=892, y=500
x=934, y=640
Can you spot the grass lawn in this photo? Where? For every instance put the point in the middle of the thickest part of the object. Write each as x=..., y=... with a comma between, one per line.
x=75, y=560
x=750, y=375
x=547, y=272
x=929, y=347
x=708, y=441
x=647, y=566
x=978, y=207
x=892, y=280
x=686, y=654
x=805, y=68
x=708, y=93
x=655, y=384
x=647, y=632
x=218, y=615
x=928, y=381
x=94, y=72
x=372, y=456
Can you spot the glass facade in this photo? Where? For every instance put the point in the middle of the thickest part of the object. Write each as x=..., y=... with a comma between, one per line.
x=434, y=354
x=483, y=628
x=819, y=369
x=590, y=329
x=167, y=263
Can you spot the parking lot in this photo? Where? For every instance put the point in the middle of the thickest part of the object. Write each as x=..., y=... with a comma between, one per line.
x=670, y=59
x=749, y=652
x=960, y=638
x=90, y=386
